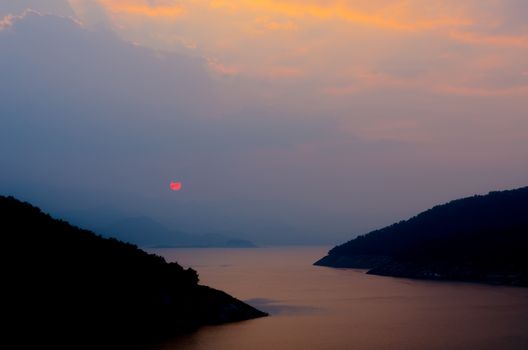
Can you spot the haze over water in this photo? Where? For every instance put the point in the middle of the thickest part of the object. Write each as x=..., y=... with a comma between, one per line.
x=322, y=308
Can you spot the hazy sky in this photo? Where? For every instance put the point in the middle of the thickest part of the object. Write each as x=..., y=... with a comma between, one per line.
x=286, y=121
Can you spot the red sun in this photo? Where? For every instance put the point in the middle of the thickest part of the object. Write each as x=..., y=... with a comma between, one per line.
x=175, y=186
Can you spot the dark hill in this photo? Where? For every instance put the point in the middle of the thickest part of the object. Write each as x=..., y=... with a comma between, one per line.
x=480, y=238
x=67, y=287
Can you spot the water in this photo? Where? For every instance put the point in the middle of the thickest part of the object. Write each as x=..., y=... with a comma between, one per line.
x=323, y=308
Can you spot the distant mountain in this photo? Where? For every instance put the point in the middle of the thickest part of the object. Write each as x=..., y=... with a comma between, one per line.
x=480, y=238
x=146, y=232
x=142, y=231
x=64, y=287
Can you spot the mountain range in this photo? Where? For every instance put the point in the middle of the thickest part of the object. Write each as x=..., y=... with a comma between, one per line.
x=146, y=232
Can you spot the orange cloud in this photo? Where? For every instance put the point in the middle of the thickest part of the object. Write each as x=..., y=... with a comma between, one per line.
x=438, y=84
x=391, y=17
x=491, y=40
x=366, y=79
x=348, y=46
x=269, y=24
x=342, y=90
x=6, y=22
x=218, y=68
x=285, y=72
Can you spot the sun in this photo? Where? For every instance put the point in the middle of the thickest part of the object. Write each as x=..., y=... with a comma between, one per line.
x=175, y=186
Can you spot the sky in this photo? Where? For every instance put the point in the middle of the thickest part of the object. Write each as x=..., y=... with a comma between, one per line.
x=287, y=122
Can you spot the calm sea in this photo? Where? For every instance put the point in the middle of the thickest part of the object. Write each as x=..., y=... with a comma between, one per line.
x=323, y=308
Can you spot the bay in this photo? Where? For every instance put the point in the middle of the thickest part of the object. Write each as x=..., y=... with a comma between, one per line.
x=323, y=308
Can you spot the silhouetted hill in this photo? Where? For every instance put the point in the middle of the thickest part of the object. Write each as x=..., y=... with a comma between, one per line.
x=480, y=238
x=67, y=287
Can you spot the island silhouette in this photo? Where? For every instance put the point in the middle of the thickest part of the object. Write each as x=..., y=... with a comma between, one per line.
x=477, y=239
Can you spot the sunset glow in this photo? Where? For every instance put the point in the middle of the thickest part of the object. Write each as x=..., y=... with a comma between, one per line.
x=270, y=40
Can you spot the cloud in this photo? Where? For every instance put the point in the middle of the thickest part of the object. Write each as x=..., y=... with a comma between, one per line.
x=286, y=72
x=218, y=68
x=17, y=7
x=262, y=152
x=83, y=108
x=520, y=41
x=91, y=13
x=100, y=120
x=6, y=22
x=268, y=24
x=389, y=15
x=482, y=91
x=143, y=8
x=328, y=41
